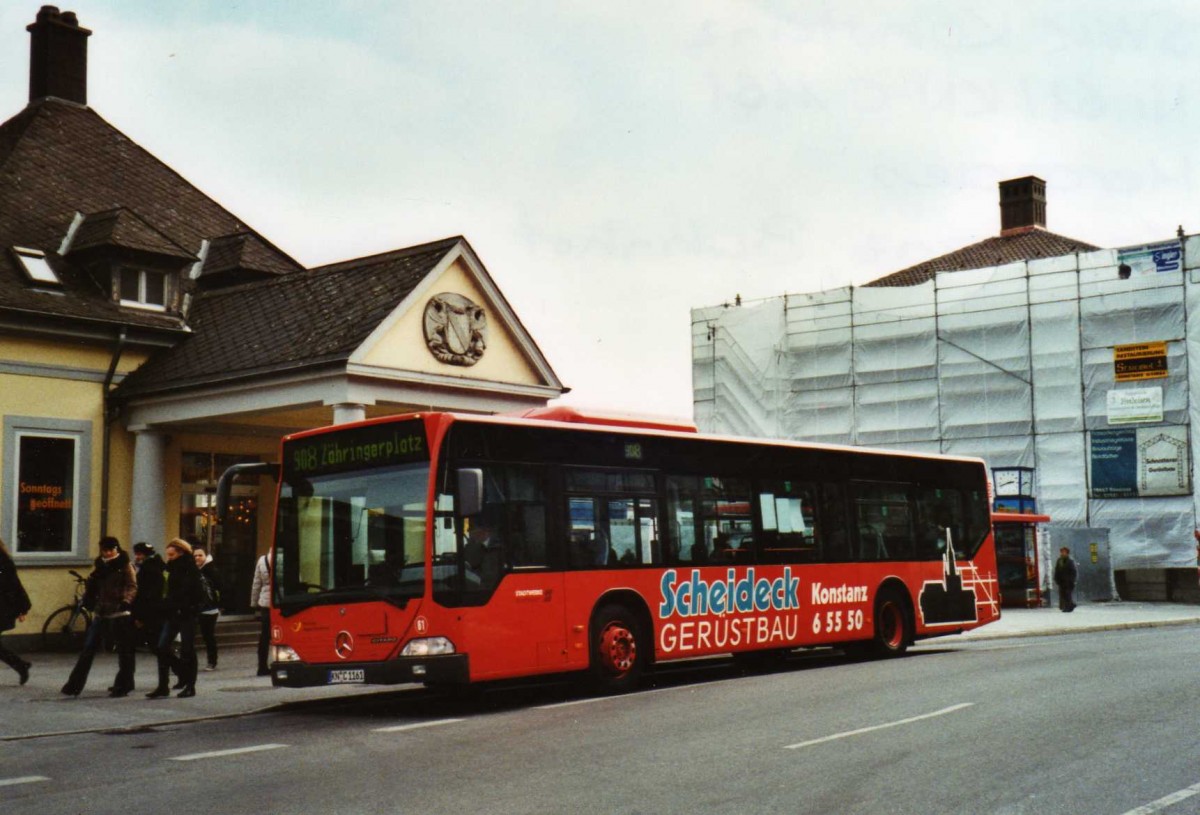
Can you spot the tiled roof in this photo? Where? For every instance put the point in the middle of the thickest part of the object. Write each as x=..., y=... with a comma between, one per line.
x=302, y=320
x=59, y=158
x=123, y=229
x=243, y=251
x=1030, y=243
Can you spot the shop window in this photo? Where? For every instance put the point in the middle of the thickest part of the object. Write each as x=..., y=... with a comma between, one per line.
x=46, y=488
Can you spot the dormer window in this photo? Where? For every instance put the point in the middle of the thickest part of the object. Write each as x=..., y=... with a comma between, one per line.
x=143, y=288
x=33, y=261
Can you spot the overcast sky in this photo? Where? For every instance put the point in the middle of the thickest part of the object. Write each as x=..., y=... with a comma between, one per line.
x=615, y=164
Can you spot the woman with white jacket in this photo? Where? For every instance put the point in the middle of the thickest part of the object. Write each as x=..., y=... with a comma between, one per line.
x=260, y=601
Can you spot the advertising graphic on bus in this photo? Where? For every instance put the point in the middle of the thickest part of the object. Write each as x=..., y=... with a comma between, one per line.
x=445, y=548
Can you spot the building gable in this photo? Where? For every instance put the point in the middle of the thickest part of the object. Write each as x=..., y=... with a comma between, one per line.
x=402, y=341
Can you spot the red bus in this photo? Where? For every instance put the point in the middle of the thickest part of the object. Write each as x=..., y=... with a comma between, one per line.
x=446, y=548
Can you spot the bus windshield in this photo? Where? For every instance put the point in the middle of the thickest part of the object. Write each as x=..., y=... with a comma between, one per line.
x=351, y=533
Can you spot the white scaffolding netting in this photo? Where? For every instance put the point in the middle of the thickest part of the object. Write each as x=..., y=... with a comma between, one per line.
x=1013, y=363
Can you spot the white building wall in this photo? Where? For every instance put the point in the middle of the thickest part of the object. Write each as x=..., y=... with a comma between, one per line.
x=1012, y=363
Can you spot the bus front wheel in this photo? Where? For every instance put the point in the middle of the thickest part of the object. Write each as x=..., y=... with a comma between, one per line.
x=618, y=650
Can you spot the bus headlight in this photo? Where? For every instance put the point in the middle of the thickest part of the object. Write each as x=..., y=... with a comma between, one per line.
x=428, y=647
x=284, y=653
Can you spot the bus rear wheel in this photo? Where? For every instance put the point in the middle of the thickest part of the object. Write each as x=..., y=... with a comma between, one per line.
x=618, y=650
x=892, y=627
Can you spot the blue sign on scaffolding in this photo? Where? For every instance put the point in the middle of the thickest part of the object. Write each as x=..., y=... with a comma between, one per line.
x=1114, y=463
x=1152, y=258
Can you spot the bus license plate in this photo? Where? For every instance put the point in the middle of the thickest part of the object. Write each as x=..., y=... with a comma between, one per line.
x=347, y=676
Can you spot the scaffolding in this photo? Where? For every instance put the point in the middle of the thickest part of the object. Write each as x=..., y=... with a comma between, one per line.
x=1012, y=363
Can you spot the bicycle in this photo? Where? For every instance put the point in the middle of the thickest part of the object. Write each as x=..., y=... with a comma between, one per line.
x=65, y=628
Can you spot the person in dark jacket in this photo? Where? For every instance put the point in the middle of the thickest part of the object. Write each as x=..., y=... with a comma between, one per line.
x=181, y=602
x=1064, y=577
x=14, y=605
x=147, y=606
x=109, y=595
x=210, y=609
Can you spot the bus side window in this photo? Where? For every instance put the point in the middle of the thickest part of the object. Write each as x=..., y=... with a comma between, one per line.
x=681, y=515
x=789, y=530
x=508, y=532
x=612, y=531
x=835, y=536
x=589, y=545
x=727, y=525
x=525, y=516
x=883, y=520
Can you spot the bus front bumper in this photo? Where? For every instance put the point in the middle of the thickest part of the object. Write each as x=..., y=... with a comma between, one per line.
x=448, y=669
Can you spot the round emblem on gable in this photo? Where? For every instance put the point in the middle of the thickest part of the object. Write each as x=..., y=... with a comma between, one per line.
x=455, y=329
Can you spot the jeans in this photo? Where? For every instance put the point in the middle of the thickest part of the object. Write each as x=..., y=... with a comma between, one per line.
x=184, y=665
x=120, y=631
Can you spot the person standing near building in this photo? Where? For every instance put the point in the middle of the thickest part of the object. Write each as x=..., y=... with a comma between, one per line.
x=1065, y=574
x=210, y=605
x=111, y=588
x=181, y=602
x=260, y=601
x=14, y=605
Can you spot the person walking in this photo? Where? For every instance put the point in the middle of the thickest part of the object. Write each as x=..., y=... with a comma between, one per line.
x=181, y=601
x=260, y=601
x=14, y=605
x=147, y=605
x=1065, y=574
x=210, y=604
x=109, y=594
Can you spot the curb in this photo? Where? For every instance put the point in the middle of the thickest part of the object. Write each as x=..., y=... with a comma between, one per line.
x=1055, y=632
x=277, y=707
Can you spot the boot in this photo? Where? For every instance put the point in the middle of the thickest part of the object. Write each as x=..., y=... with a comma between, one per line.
x=23, y=671
x=188, y=692
x=159, y=692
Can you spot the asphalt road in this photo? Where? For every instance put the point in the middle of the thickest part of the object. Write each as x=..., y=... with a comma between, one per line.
x=1098, y=723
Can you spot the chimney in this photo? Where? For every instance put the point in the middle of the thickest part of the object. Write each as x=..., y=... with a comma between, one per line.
x=1022, y=205
x=57, y=56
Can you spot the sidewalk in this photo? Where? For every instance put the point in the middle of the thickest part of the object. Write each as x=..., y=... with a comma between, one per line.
x=1041, y=622
x=38, y=709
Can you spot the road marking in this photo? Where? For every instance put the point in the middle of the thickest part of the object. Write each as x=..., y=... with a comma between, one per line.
x=586, y=701
x=236, y=751
x=415, y=726
x=627, y=697
x=25, y=779
x=873, y=728
x=1165, y=801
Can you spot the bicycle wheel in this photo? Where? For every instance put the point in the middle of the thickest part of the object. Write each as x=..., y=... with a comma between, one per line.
x=64, y=629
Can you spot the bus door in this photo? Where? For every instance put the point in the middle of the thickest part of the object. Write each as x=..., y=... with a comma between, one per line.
x=512, y=598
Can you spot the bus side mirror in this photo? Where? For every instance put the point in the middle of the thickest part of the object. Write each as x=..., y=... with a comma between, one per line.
x=225, y=484
x=469, y=498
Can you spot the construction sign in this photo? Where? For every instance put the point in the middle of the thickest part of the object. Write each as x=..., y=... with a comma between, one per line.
x=1144, y=360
